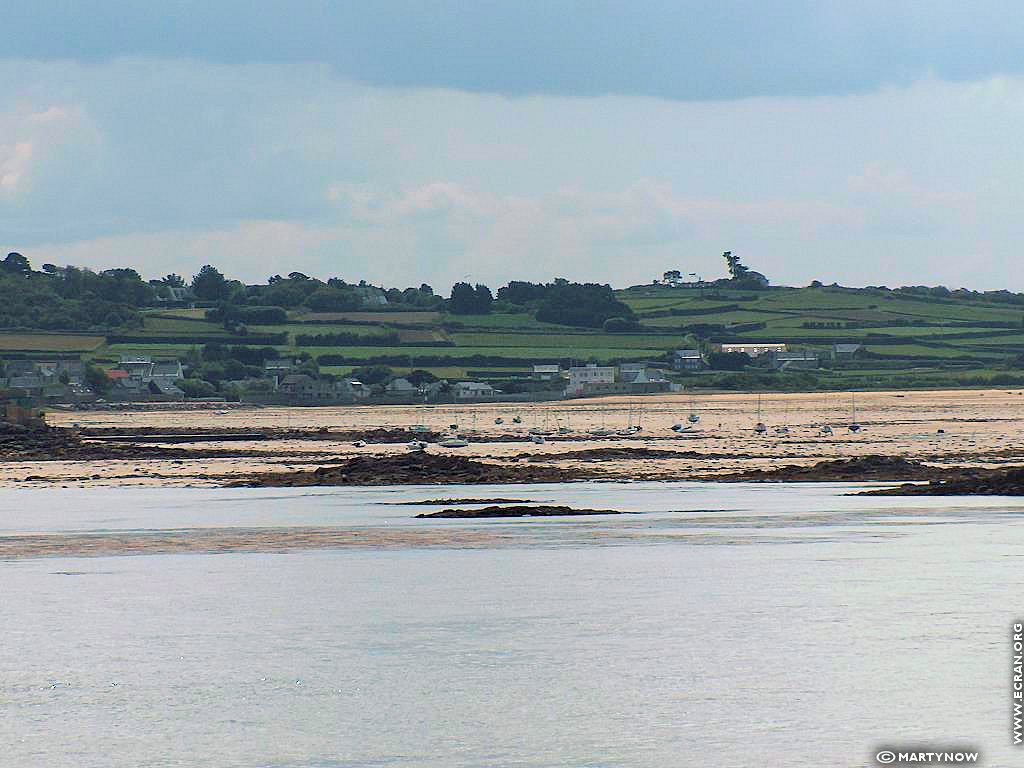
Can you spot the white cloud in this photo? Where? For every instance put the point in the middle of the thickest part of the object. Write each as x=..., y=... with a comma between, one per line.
x=267, y=168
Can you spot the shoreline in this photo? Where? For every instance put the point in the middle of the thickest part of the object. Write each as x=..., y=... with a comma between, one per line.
x=945, y=429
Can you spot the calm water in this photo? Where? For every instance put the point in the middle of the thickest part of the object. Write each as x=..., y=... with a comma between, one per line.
x=726, y=626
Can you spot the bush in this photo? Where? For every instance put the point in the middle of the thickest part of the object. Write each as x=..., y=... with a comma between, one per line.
x=196, y=388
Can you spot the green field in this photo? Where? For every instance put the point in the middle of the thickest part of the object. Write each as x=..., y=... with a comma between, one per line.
x=905, y=338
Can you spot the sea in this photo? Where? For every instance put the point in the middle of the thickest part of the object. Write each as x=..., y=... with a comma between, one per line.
x=718, y=625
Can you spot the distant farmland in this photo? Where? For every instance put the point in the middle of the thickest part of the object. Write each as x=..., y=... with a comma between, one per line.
x=49, y=342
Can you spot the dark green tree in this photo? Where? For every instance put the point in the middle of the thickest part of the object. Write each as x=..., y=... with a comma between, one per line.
x=16, y=264
x=210, y=284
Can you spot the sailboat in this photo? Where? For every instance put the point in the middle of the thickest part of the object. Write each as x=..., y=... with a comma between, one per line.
x=563, y=429
x=631, y=428
x=854, y=426
x=693, y=418
x=453, y=441
x=601, y=431
x=760, y=427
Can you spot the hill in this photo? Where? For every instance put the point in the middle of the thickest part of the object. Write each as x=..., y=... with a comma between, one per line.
x=907, y=337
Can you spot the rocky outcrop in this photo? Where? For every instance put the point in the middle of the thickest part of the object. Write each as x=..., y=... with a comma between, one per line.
x=533, y=511
x=965, y=482
x=863, y=468
x=411, y=469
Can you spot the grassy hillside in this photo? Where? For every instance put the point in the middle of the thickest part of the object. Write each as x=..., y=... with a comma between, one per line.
x=908, y=340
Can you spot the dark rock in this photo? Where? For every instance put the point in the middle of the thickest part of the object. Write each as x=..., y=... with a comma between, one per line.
x=862, y=468
x=410, y=469
x=538, y=511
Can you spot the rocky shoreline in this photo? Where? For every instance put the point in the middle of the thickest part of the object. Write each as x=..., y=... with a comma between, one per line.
x=966, y=482
x=872, y=468
x=411, y=469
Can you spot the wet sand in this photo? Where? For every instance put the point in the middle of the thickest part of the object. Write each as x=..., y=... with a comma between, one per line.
x=981, y=428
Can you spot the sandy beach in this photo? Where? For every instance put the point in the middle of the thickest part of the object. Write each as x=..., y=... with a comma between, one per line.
x=978, y=428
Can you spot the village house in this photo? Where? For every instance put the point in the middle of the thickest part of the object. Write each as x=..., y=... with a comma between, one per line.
x=588, y=375
x=473, y=390
x=846, y=351
x=606, y=380
x=165, y=388
x=547, y=372
x=688, y=360
x=400, y=386
x=803, y=359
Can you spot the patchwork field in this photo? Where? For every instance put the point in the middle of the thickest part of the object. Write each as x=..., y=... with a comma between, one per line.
x=907, y=339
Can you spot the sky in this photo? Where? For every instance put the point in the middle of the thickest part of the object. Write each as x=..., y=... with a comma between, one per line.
x=869, y=143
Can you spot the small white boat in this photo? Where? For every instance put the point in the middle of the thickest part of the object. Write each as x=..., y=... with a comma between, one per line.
x=539, y=439
x=499, y=420
x=416, y=446
x=453, y=442
x=359, y=444
x=826, y=429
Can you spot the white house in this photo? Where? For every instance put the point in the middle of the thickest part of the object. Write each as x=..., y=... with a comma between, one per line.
x=473, y=390
x=580, y=376
x=547, y=372
x=400, y=386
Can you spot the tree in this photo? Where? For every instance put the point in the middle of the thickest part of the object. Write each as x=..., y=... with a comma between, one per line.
x=419, y=377
x=463, y=299
x=196, y=388
x=583, y=305
x=729, y=361
x=210, y=284
x=16, y=264
x=97, y=380
x=736, y=269
x=482, y=299
x=372, y=374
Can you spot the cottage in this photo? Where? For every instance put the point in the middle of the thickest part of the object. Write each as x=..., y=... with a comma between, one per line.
x=582, y=376
x=547, y=372
x=354, y=389
x=136, y=367
x=166, y=389
x=31, y=384
x=804, y=359
x=400, y=386
x=473, y=390
x=278, y=366
x=688, y=360
x=846, y=351
x=168, y=370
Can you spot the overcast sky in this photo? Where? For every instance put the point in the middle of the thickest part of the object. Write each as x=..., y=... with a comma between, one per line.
x=402, y=142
